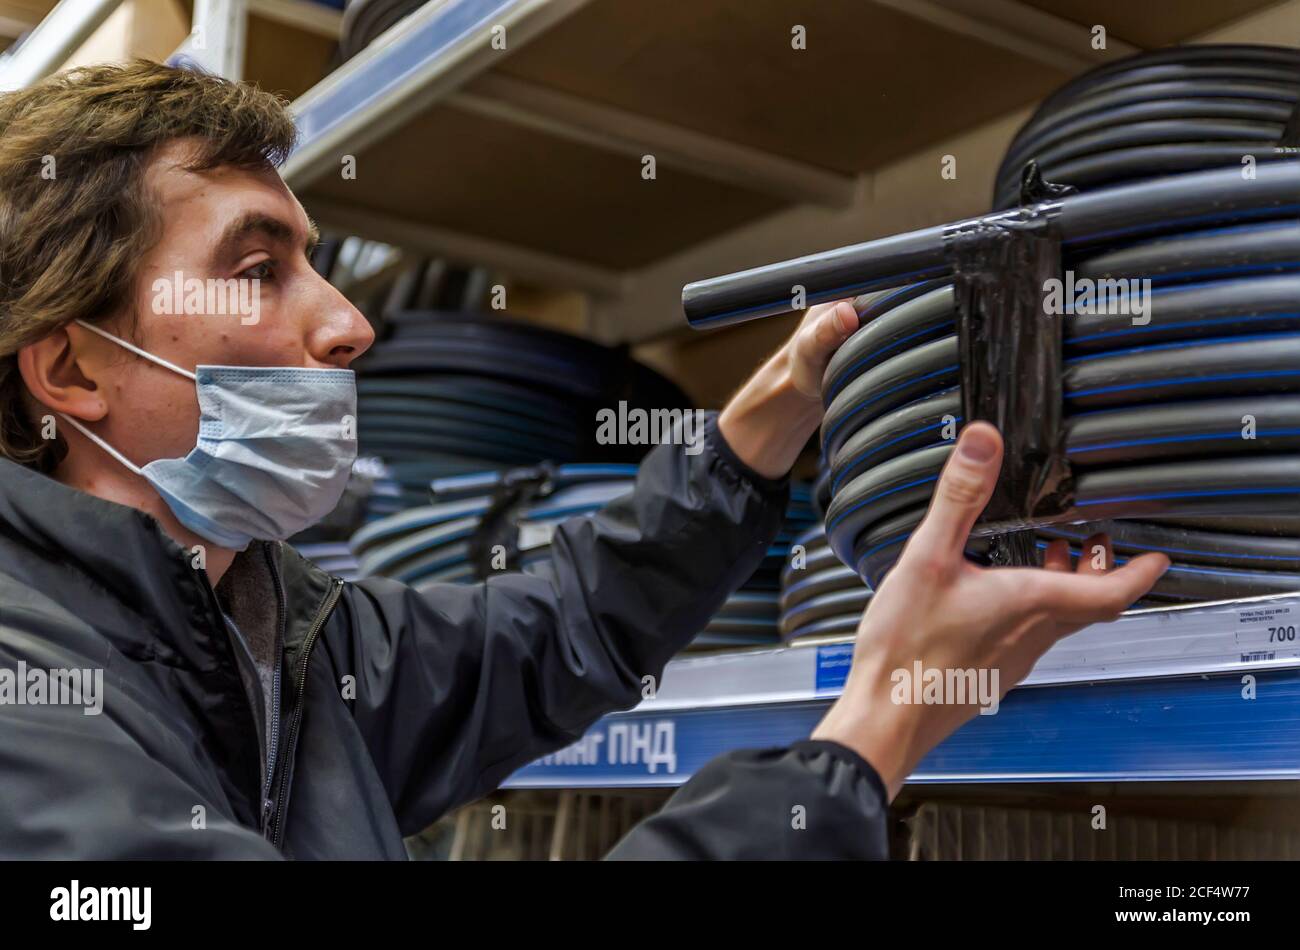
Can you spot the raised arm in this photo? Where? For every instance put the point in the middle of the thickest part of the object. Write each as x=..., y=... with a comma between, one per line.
x=458, y=686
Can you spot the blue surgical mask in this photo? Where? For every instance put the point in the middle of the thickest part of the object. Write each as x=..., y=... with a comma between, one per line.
x=276, y=445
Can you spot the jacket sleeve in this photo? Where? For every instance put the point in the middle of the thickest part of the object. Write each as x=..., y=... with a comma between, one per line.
x=811, y=801
x=460, y=685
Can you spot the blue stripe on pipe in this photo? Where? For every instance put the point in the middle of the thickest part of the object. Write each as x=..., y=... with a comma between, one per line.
x=844, y=379
x=1042, y=545
x=1214, y=493
x=876, y=497
x=1275, y=211
x=1184, y=344
x=1215, y=321
x=1198, y=437
x=1181, y=380
x=835, y=483
x=892, y=389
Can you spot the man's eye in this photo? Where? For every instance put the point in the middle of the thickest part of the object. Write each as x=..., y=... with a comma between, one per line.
x=263, y=271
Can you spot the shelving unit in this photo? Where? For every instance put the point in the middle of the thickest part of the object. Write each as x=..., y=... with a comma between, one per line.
x=529, y=159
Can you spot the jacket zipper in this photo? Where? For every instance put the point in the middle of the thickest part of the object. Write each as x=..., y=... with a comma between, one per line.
x=215, y=604
x=273, y=743
x=291, y=740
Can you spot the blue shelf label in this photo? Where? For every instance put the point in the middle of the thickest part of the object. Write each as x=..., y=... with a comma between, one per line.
x=666, y=748
x=1195, y=727
x=833, y=666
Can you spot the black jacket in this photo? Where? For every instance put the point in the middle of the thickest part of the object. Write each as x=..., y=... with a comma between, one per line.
x=396, y=706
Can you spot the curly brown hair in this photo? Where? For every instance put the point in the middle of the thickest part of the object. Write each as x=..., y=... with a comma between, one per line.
x=76, y=216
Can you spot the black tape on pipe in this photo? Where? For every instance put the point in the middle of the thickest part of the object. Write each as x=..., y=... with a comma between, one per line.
x=1010, y=351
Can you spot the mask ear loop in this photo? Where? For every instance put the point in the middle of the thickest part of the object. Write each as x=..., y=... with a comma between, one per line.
x=139, y=352
x=102, y=444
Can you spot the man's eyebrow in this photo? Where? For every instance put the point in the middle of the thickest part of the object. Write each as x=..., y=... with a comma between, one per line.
x=259, y=223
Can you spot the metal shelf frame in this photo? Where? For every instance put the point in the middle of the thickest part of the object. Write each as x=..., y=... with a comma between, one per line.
x=1204, y=692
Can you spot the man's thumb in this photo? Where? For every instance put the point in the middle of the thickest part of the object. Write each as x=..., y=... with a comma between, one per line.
x=964, y=488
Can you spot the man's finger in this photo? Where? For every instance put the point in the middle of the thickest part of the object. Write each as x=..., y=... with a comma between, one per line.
x=826, y=331
x=816, y=309
x=1057, y=555
x=964, y=488
x=1093, y=598
x=823, y=330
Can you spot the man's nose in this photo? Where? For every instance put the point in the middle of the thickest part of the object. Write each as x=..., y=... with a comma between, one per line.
x=341, y=332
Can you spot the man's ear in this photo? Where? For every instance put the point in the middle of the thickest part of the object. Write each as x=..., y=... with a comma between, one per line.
x=60, y=371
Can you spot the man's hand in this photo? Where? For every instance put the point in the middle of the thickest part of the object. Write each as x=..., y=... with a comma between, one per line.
x=940, y=609
x=768, y=422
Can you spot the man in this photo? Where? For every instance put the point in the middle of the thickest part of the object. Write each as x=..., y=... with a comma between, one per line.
x=254, y=707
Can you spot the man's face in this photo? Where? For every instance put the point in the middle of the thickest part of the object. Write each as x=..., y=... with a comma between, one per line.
x=237, y=239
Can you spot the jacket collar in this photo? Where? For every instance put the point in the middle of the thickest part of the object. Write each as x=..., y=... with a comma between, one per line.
x=48, y=528
x=113, y=567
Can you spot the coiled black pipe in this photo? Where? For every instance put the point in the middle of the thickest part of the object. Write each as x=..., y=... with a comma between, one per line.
x=1182, y=424
x=820, y=596
x=1196, y=410
x=1158, y=113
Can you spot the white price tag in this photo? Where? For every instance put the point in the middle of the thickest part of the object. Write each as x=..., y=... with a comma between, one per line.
x=1267, y=631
